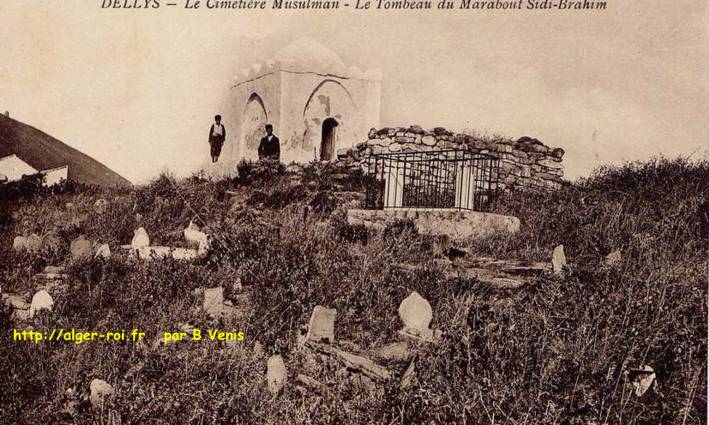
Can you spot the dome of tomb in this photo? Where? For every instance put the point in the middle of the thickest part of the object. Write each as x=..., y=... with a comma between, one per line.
x=307, y=55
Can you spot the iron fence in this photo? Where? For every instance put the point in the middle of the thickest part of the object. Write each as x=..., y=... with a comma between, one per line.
x=440, y=179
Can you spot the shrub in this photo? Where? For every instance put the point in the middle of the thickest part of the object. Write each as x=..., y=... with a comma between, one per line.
x=259, y=173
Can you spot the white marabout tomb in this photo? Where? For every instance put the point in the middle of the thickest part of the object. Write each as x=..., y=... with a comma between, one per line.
x=316, y=104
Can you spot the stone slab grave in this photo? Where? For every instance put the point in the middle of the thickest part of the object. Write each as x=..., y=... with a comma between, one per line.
x=140, y=246
x=456, y=224
x=499, y=274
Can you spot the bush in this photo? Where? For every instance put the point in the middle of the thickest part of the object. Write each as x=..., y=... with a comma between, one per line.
x=259, y=173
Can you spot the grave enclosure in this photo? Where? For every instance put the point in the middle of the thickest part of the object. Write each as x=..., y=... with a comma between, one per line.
x=525, y=163
x=445, y=182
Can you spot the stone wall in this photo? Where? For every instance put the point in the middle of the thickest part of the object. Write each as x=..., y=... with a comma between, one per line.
x=525, y=163
x=456, y=224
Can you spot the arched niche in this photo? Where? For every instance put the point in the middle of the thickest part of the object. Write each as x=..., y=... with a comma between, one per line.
x=330, y=100
x=252, y=128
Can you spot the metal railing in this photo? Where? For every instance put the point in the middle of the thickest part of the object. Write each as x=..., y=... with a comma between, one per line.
x=435, y=179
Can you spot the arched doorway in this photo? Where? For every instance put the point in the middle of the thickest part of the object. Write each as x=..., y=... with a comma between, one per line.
x=329, y=100
x=329, y=139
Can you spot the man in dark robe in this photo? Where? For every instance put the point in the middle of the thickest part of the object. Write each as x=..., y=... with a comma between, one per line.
x=217, y=135
x=270, y=146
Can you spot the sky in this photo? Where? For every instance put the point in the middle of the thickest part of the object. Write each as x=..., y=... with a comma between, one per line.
x=137, y=89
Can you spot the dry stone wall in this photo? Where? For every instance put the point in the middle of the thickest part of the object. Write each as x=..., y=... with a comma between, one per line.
x=524, y=164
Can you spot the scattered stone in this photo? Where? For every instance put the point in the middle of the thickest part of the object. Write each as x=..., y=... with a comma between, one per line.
x=614, y=258
x=52, y=273
x=140, y=238
x=276, y=374
x=529, y=271
x=311, y=383
x=100, y=391
x=416, y=313
x=103, y=251
x=642, y=379
x=194, y=237
x=396, y=351
x=20, y=308
x=33, y=243
x=21, y=315
x=354, y=362
x=17, y=302
x=19, y=244
x=101, y=206
x=80, y=248
x=558, y=259
x=41, y=301
x=184, y=254
x=322, y=325
x=409, y=375
x=157, y=252
x=54, y=270
x=258, y=349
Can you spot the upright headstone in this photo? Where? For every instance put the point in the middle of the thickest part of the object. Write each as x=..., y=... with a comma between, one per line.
x=100, y=391
x=276, y=374
x=558, y=259
x=194, y=237
x=80, y=248
x=41, y=301
x=19, y=244
x=140, y=238
x=322, y=325
x=214, y=301
x=416, y=313
x=103, y=251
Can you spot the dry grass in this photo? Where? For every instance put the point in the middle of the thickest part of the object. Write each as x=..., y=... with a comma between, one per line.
x=553, y=352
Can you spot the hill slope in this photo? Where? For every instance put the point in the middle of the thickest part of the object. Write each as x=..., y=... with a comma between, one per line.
x=561, y=349
x=43, y=152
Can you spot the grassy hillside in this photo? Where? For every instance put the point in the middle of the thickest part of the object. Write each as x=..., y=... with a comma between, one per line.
x=44, y=152
x=554, y=351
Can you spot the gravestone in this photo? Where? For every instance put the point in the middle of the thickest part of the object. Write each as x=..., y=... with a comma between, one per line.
x=322, y=325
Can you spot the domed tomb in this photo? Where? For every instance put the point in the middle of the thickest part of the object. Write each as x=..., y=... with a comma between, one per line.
x=315, y=102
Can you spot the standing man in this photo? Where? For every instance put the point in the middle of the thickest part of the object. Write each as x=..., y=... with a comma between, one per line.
x=270, y=146
x=217, y=135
